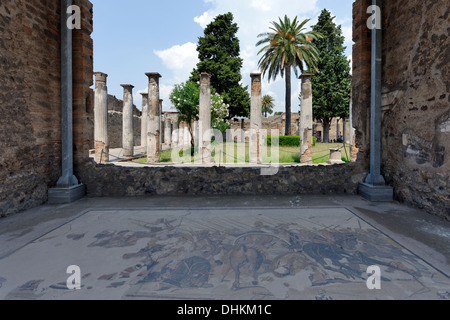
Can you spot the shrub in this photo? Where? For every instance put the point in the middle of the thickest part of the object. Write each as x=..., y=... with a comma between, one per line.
x=285, y=141
x=314, y=141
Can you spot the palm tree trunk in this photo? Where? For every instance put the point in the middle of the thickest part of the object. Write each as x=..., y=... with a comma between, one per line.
x=288, y=100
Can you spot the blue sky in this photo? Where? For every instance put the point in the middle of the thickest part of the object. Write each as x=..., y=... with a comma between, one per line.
x=139, y=36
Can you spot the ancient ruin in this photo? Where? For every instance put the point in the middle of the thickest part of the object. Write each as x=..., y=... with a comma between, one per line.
x=412, y=92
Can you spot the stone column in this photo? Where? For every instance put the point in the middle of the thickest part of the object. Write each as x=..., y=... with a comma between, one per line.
x=128, y=121
x=101, y=118
x=168, y=133
x=144, y=120
x=242, y=131
x=175, y=135
x=181, y=134
x=306, y=120
x=161, y=124
x=187, y=136
x=205, y=118
x=338, y=128
x=255, y=119
x=196, y=135
x=154, y=118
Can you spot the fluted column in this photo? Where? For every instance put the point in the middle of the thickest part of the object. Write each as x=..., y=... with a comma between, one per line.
x=101, y=118
x=154, y=118
x=168, y=133
x=306, y=119
x=205, y=117
x=128, y=121
x=144, y=121
x=255, y=119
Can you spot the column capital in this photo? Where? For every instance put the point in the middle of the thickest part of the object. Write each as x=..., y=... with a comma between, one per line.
x=205, y=79
x=127, y=86
x=153, y=75
x=144, y=94
x=255, y=75
x=100, y=76
x=306, y=75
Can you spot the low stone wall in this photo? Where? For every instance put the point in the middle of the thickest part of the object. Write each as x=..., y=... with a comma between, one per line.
x=115, y=181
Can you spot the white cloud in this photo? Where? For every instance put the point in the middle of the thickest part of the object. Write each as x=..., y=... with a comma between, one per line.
x=255, y=17
x=204, y=19
x=180, y=59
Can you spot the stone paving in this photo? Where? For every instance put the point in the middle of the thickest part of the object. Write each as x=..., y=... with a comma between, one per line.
x=238, y=252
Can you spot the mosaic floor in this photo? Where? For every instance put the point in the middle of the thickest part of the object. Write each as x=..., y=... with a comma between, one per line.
x=232, y=254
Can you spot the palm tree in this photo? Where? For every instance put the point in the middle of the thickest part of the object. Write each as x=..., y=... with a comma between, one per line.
x=267, y=105
x=287, y=47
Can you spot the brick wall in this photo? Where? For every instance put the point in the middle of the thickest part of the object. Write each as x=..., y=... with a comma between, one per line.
x=361, y=78
x=83, y=97
x=30, y=107
x=30, y=135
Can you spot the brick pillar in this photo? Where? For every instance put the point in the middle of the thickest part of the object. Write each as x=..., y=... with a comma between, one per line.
x=83, y=97
x=361, y=79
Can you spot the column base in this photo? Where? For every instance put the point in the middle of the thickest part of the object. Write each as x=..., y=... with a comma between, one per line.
x=66, y=195
x=376, y=193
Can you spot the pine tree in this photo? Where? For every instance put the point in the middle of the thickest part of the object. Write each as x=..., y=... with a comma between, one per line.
x=331, y=84
x=219, y=55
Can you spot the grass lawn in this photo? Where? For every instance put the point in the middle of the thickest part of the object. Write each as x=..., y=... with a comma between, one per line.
x=239, y=153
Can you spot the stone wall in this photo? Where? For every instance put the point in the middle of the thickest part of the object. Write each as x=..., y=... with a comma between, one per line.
x=416, y=100
x=30, y=106
x=278, y=122
x=115, y=181
x=115, y=121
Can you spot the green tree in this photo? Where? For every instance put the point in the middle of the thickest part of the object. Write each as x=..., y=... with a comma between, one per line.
x=219, y=55
x=268, y=103
x=287, y=47
x=332, y=84
x=185, y=98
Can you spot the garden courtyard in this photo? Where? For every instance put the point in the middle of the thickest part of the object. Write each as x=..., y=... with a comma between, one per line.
x=235, y=152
